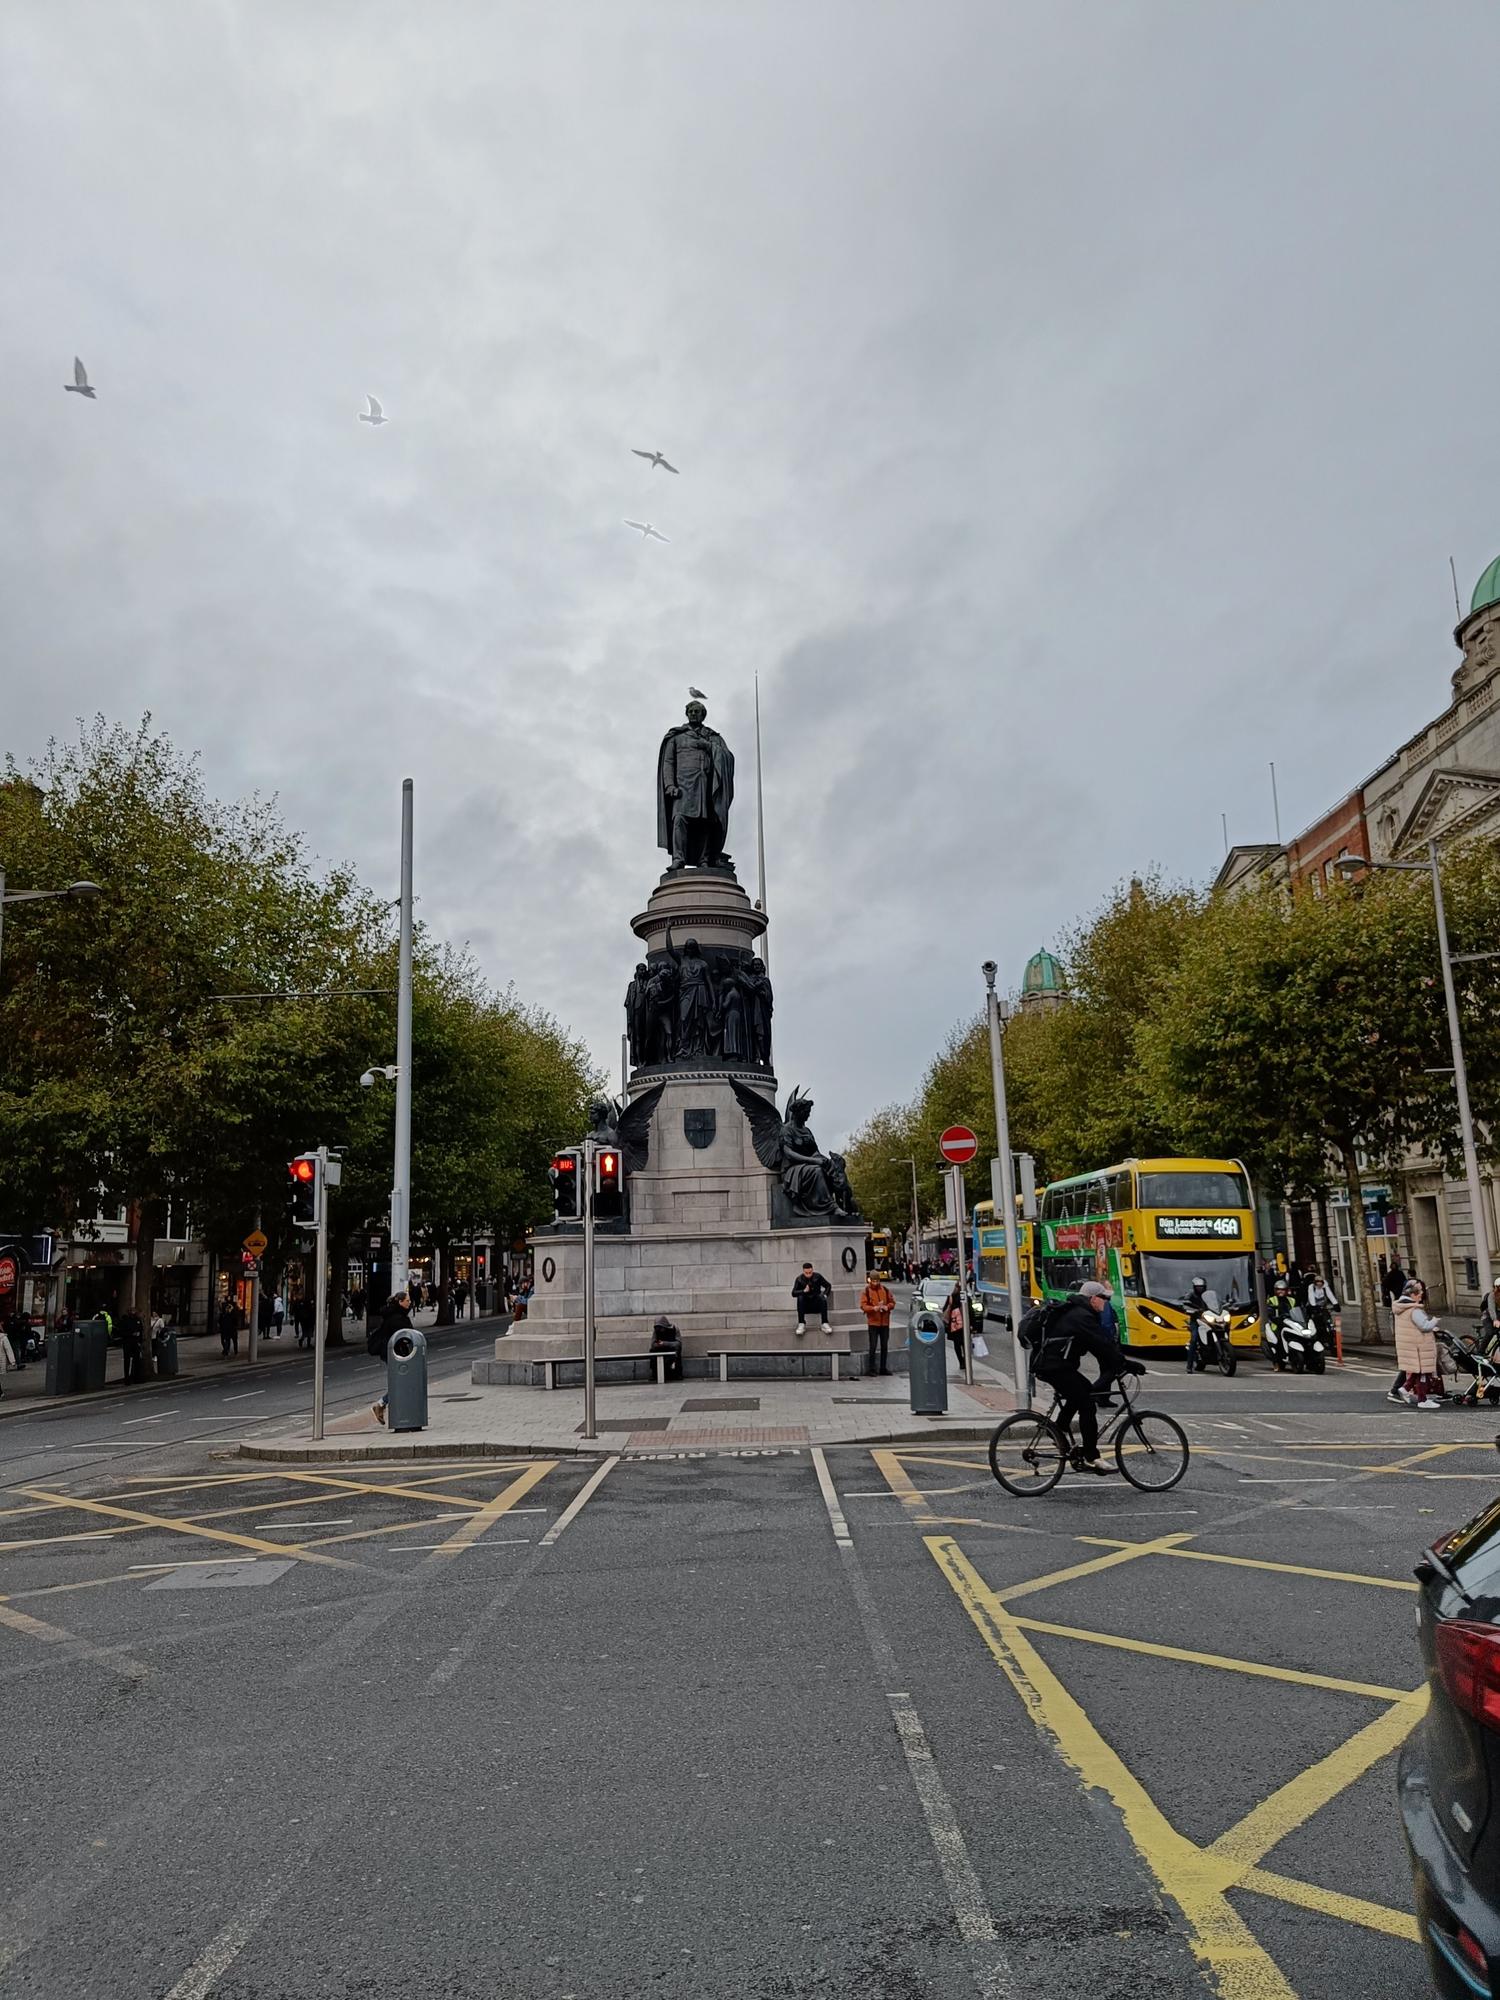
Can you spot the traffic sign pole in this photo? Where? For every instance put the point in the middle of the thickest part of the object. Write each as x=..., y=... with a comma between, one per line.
x=254, y=1348
x=961, y=1224
x=320, y=1322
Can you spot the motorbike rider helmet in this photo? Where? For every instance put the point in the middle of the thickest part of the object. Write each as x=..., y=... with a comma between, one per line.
x=1282, y=1285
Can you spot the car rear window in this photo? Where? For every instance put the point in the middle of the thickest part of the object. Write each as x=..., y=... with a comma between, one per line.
x=1473, y=1552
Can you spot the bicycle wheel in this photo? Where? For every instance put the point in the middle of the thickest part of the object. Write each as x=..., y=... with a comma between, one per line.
x=1152, y=1451
x=1027, y=1455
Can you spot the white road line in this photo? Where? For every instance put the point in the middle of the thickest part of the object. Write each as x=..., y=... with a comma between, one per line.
x=971, y=1912
x=205, y=1973
x=201, y=1562
x=576, y=1506
x=841, y=1533
x=242, y=1395
x=468, y=1549
x=226, y=1420
x=128, y=1421
x=338, y=1521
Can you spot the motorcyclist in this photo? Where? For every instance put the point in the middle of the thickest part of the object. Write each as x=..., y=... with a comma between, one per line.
x=1197, y=1302
x=1321, y=1306
x=1280, y=1308
x=1074, y=1332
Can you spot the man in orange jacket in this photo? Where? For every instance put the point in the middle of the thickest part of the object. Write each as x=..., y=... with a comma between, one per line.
x=877, y=1305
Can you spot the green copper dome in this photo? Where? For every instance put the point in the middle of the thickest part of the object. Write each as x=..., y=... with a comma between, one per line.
x=1487, y=590
x=1044, y=974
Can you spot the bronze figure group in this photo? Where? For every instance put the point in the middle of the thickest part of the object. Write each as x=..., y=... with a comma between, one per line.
x=686, y=1005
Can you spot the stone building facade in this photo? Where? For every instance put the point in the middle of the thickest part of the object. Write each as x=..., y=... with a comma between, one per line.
x=1442, y=784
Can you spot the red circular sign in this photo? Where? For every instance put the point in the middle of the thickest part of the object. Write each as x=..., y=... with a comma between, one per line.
x=958, y=1145
x=7, y=1274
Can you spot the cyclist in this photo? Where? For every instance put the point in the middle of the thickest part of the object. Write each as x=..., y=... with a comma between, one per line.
x=1072, y=1333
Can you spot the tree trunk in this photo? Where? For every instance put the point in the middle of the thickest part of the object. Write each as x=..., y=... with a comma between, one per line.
x=1325, y=1245
x=1369, y=1315
x=445, y=1288
x=145, y=1218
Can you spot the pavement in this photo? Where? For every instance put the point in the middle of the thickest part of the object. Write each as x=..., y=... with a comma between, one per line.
x=758, y=1721
x=199, y=1357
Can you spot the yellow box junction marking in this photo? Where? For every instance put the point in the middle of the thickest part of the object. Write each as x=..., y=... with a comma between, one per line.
x=486, y=1516
x=1196, y=1879
x=165, y=1521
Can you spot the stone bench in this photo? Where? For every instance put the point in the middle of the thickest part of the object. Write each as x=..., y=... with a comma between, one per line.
x=660, y=1355
x=723, y=1356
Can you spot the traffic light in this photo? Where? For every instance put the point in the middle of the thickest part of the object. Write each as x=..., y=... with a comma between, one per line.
x=304, y=1201
x=564, y=1177
x=609, y=1182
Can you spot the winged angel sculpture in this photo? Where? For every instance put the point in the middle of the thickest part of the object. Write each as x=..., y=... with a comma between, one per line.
x=615, y=1121
x=814, y=1182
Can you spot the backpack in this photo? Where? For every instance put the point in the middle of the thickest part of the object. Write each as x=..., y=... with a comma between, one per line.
x=1037, y=1327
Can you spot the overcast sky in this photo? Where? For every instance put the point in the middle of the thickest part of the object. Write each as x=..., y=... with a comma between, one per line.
x=1077, y=405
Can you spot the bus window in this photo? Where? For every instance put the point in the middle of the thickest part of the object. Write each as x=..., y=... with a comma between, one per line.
x=1205, y=1187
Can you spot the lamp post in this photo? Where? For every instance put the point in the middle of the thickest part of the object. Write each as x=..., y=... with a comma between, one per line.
x=401, y=1178
x=1007, y=1185
x=916, y=1219
x=78, y=889
x=1350, y=865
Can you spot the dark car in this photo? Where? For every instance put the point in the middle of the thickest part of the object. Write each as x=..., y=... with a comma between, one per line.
x=1450, y=1768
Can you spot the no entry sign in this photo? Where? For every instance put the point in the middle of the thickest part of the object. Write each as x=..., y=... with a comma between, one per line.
x=958, y=1145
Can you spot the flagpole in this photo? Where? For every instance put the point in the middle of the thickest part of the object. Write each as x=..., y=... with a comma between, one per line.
x=760, y=836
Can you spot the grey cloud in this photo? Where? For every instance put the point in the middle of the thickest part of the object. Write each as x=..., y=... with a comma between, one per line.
x=1076, y=408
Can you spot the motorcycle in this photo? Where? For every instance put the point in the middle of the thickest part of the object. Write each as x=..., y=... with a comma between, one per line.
x=1294, y=1345
x=1213, y=1341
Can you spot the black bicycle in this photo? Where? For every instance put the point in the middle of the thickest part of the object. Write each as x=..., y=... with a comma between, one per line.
x=1030, y=1451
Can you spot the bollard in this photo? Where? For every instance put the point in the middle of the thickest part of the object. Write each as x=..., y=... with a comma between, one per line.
x=927, y=1366
x=406, y=1380
x=1338, y=1338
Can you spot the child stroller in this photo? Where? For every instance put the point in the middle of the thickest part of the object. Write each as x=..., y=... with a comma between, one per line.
x=1468, y=1358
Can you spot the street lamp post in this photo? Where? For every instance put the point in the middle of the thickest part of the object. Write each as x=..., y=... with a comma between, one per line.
x=1007, y=1185
x=401, y=1178
x=7, y=896
x=916, y=1219
x=1350, y=865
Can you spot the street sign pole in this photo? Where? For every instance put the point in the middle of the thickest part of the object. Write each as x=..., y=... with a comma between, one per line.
x=590, y=1428
x=320, y=1320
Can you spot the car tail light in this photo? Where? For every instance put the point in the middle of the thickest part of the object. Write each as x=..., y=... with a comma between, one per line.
x=1468, y=1663
x=1472, y=1950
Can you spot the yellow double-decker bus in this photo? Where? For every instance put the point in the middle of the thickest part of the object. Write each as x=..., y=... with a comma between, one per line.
x=1147, y=1228
x=990, y=1252
x=878, y=1253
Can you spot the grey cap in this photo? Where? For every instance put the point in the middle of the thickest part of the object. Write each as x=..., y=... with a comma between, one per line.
x=1094, y=1290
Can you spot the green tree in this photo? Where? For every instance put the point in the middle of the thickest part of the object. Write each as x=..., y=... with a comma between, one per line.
x=1290, y=1032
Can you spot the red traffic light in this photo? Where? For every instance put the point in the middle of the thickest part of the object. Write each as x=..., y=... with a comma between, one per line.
x=609, y=1165
x=302, y=1170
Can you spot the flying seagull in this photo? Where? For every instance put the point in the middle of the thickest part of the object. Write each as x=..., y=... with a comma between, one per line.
x=647, y=532
x=655, y=458
x=374, y=415
x=697, y=694
x=79, y=386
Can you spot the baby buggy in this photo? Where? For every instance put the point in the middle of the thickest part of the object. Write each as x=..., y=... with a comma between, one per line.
x=1469, y=1359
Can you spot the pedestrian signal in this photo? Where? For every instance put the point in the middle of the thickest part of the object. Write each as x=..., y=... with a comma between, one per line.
x=563, y=1174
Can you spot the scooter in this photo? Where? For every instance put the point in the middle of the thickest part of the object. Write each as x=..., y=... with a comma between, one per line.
x=1294, y=1345
x=1213, y=1340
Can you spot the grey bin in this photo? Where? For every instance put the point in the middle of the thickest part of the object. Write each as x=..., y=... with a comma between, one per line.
x=165, y=1348
x=406, y=1380
x=90, y=1354
x=60, y=1362
x=927, y=1360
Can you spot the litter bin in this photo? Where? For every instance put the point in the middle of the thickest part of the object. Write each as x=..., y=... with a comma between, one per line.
x=60, y=1362
x=927, y=1363
x=406, y=1380
x=164, y=1347
x=90, y=1354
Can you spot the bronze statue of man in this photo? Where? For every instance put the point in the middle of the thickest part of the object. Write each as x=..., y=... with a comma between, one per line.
x=694, y=791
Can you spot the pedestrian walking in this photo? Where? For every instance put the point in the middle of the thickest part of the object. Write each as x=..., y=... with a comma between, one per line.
x=1489, y=1320
x=1395, y=1281
x=1420, y=1380
x=955, y=1318
x=877, y=1302
x=812, y=1293
x=229, y=1327
x=397, y=1315
x=278, y=1314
